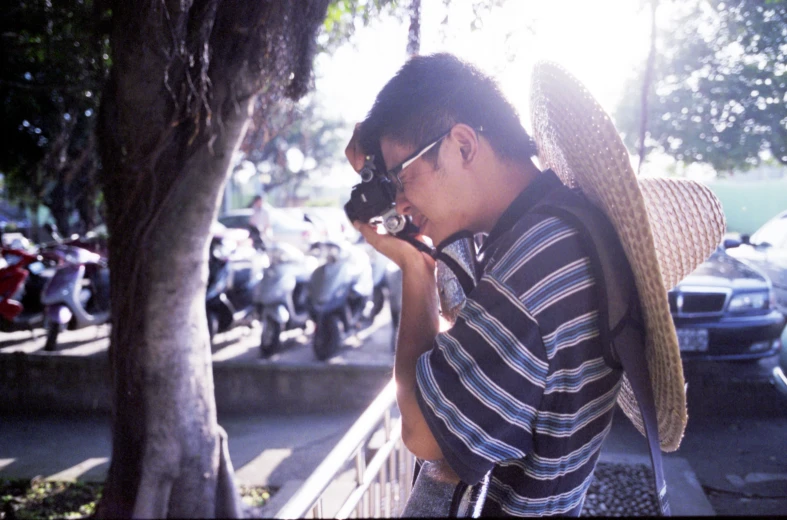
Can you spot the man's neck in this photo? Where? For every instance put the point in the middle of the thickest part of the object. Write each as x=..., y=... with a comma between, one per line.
x=502, y=187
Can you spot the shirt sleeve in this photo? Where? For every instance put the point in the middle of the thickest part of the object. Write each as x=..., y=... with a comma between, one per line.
x=480, y=386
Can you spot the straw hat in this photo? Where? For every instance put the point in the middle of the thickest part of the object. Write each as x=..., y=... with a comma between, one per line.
x=667, y=226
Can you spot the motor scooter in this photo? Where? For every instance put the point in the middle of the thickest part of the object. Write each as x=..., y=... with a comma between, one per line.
x=393, y=281
x=21, y=282
x=284, y=293
x=234, y=275
x=380, y=264
x=77, y=295
x=339, y=291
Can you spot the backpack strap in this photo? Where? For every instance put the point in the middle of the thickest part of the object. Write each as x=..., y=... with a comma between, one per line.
x=620, y=321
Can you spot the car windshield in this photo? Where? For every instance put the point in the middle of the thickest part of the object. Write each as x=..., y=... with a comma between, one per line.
x=773, y=233
x=235, y=221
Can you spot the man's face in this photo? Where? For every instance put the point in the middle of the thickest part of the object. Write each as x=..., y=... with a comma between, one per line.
x=426, y=194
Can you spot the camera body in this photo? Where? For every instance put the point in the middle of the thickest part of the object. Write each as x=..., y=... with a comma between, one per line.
x=375, y=197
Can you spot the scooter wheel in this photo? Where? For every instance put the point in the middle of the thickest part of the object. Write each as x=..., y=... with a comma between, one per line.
x=378, y=300
x=213, y=326
x=52, y=332
x=395, y=329
x=327, y=337
x=269, y=339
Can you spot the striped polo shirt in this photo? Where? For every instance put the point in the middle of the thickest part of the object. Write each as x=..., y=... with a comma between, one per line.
x=519, y=385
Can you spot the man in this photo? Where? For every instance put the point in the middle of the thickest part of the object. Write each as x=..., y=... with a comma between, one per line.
x=522, y=384
x=260, y=219
x=525, y=351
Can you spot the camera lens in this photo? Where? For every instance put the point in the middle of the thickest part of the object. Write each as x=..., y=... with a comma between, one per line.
x=394, y=223
x=366, y=174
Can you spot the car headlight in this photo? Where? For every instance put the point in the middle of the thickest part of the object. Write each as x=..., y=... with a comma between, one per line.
x=752, y=301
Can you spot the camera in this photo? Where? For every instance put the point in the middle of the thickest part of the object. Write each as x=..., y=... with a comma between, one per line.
x=375, y=197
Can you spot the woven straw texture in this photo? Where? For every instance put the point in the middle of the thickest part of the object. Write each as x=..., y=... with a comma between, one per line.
x=667, y=226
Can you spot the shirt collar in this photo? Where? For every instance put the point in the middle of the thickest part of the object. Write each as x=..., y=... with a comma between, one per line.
x=542, y=184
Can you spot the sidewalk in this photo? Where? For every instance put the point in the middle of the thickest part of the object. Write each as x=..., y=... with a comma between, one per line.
x=267, y=449
x=273, y=450
x=76, y=378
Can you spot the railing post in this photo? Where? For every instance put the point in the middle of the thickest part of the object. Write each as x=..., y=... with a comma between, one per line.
x=317, y=509
x=382, y=483
x=386, y=489
x=378, y=499
x=360, y=464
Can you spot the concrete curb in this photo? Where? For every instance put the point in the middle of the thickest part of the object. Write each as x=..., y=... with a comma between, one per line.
x=48, y=383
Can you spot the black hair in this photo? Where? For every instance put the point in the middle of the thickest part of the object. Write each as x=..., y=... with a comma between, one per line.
x=430, y=94
x=255, y=199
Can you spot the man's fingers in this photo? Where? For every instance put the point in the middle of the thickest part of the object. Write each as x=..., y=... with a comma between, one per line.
x=354, y=153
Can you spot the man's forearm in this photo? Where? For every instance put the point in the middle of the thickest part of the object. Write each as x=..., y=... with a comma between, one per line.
x=417, y=331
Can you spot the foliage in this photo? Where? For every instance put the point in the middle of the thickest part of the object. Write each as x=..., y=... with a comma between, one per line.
x=53, y=62
x=24, y=499
x=293, y=126
x=34, y=499
x=343, y=16
x=720, y=89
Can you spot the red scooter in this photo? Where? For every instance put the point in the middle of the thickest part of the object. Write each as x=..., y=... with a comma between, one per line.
x=21, y=282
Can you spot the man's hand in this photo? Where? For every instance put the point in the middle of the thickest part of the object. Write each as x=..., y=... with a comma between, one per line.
x=418, y=322
x=402, y=253
x=354, y=153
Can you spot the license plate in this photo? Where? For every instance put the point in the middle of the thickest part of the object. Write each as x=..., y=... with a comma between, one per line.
x=693, y=340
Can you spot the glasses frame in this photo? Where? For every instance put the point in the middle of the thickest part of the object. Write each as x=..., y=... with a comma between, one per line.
x=393, y=173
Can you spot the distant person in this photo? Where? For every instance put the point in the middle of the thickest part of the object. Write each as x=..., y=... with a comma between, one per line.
x=260, y=219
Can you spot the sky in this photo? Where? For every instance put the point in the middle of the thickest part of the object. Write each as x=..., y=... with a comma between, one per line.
x=600, y=41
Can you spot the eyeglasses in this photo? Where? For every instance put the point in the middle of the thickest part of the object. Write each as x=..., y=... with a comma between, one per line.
x=393, y=173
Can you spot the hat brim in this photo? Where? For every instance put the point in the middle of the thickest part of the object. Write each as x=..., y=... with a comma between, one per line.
x=667, y=227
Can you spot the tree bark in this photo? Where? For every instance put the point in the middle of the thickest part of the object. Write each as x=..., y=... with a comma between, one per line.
x=173, y=113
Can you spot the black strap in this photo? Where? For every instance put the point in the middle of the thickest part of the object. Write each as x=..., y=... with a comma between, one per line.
x=621, y=330
x=636, y=367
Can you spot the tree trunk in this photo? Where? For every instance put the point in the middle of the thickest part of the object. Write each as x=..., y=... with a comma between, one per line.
x=414, y=31
x=173, y=113
x=166, y=441
x=646, y=84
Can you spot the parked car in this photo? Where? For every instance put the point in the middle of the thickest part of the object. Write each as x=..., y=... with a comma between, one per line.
x=288, y=225
x=725, y=310
x=766, y=250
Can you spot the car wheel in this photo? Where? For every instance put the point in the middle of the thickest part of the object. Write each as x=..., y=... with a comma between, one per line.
x=269, y=339
x=327, y=337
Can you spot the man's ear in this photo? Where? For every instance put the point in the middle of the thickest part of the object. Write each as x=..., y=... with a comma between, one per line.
x=467, y=139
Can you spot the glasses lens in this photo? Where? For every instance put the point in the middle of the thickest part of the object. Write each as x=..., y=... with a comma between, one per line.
x=395, y=180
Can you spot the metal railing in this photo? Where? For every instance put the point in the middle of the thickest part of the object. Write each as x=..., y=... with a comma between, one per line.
x=381, y=486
